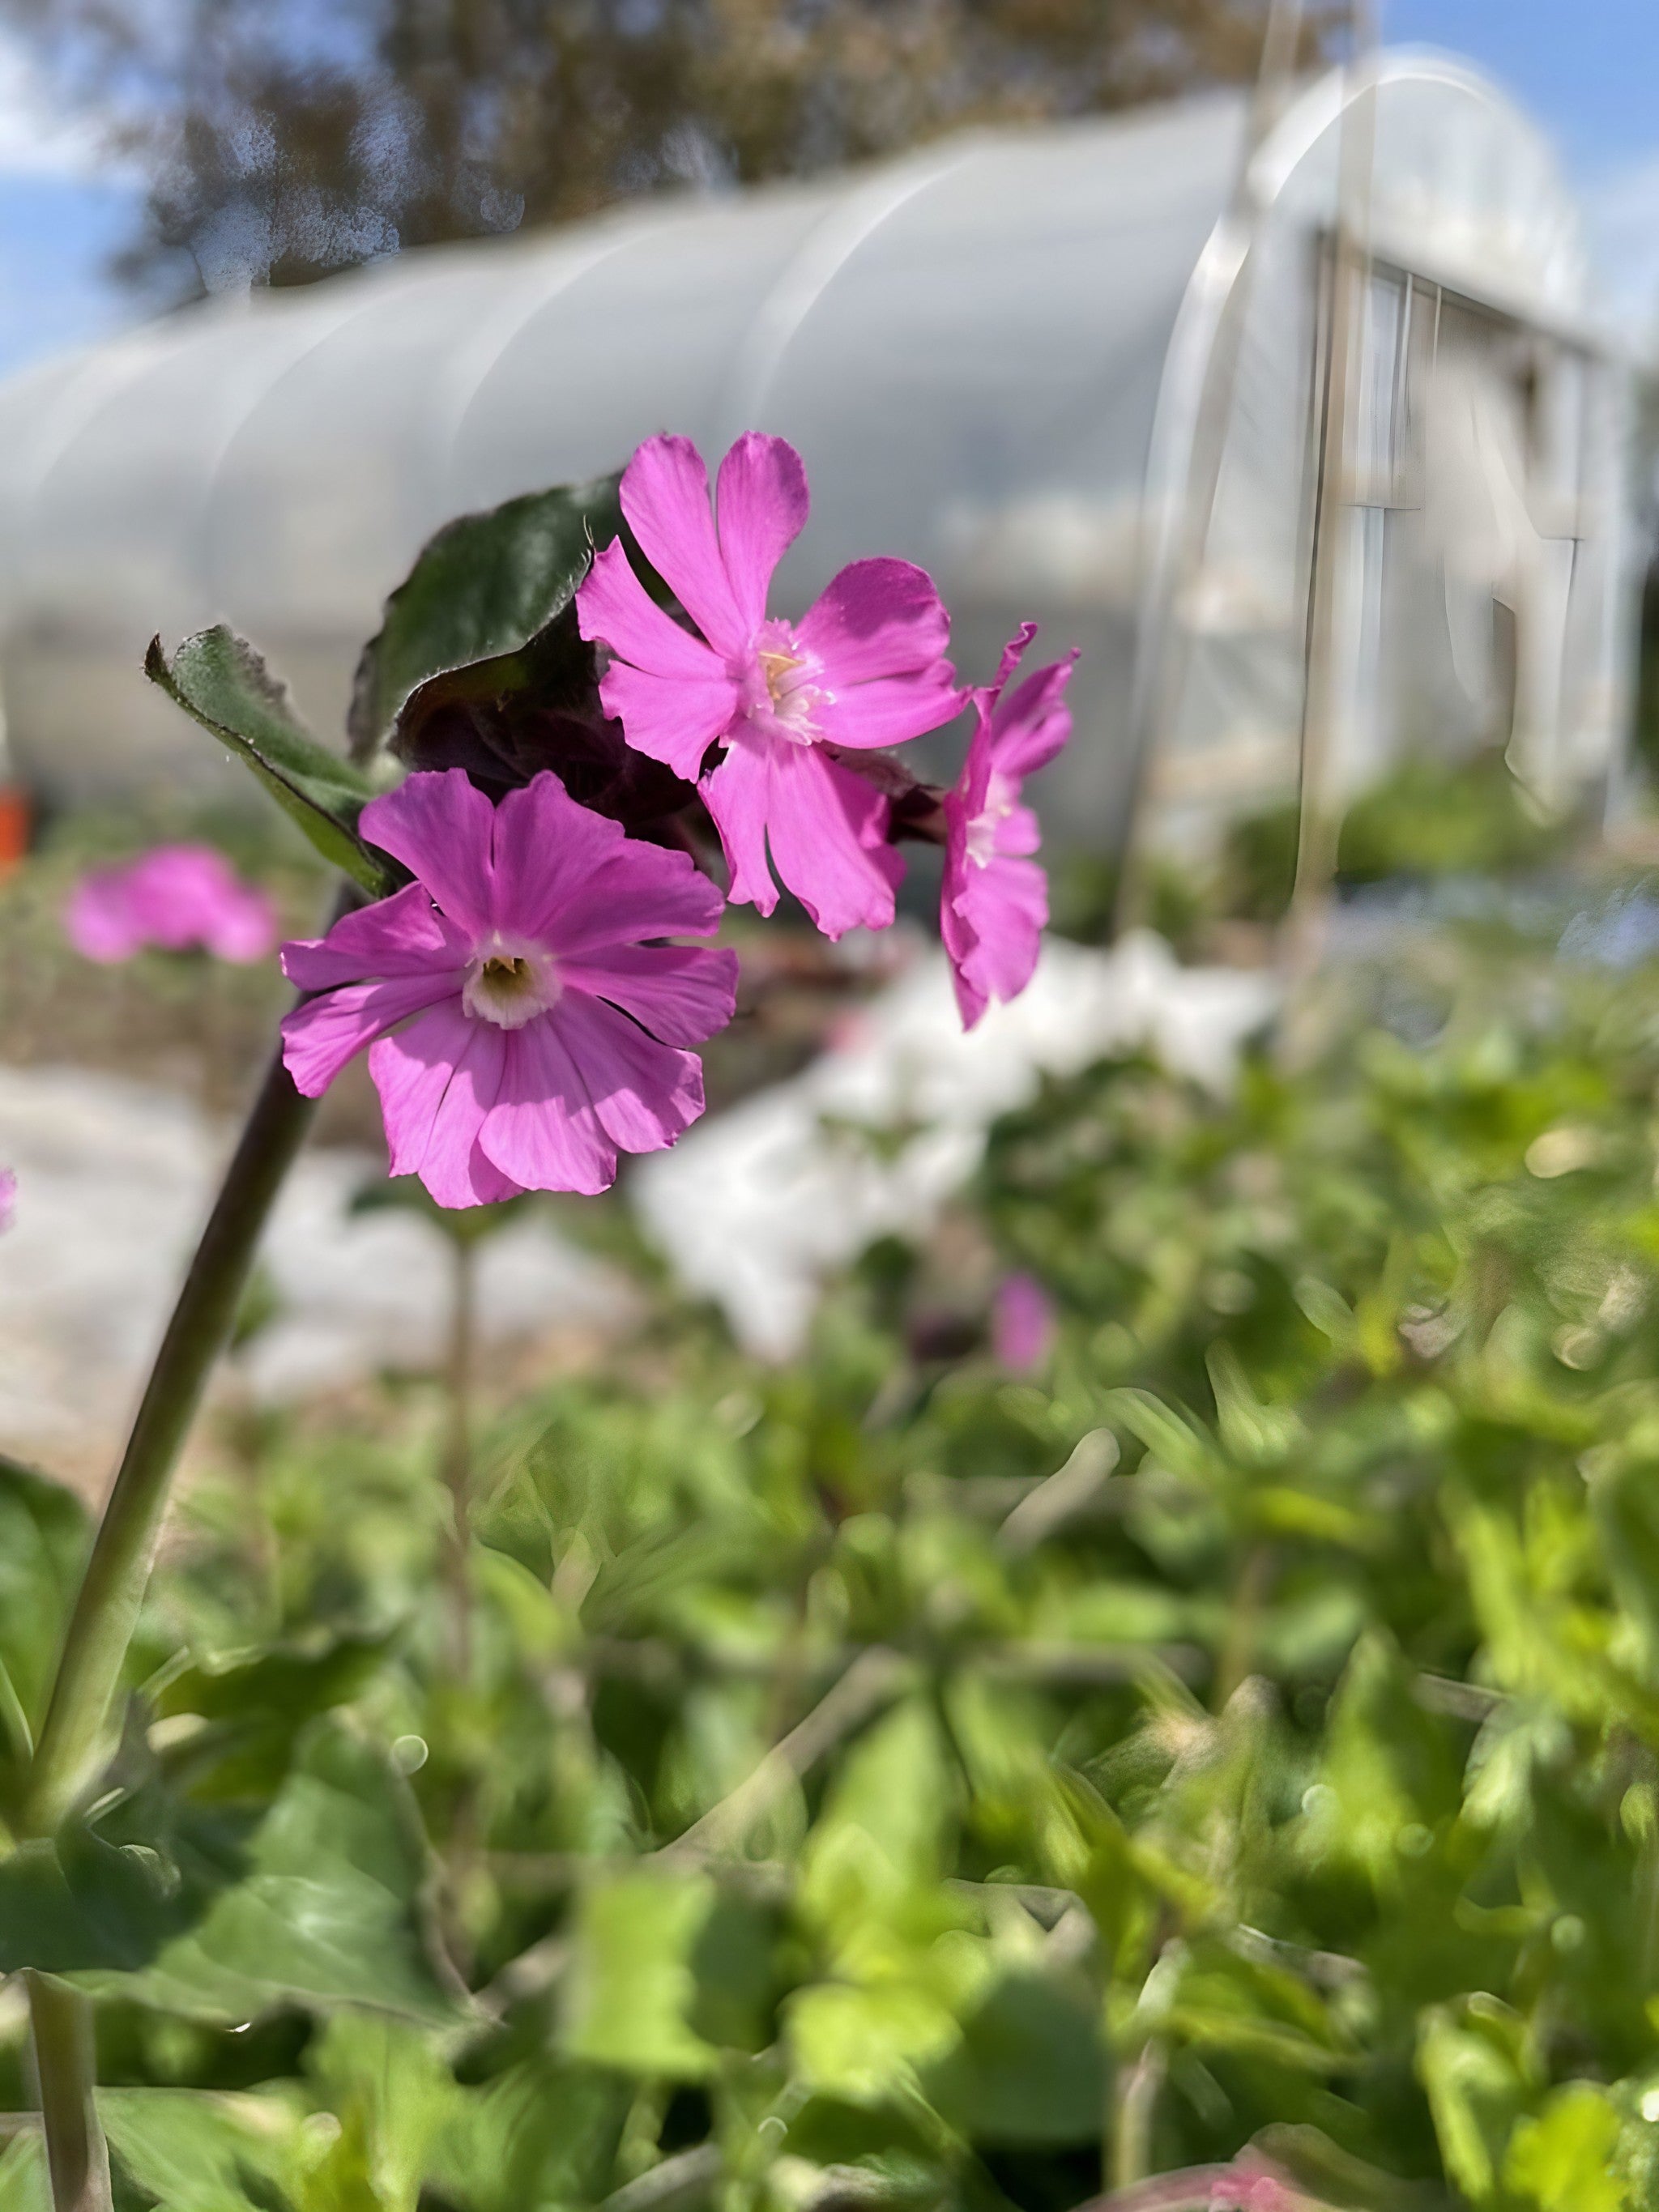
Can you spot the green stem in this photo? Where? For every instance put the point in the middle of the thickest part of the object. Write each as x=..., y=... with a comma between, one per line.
x=457, y=1449
x=60, y=2020
x=106, y=1611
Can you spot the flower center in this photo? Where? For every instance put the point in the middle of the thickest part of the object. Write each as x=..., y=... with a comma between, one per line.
x=509, y=987
x=780, y=695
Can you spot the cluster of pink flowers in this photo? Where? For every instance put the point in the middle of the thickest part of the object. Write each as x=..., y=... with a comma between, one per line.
x=177, y=897
x=525, y=1016
x=8, y=1196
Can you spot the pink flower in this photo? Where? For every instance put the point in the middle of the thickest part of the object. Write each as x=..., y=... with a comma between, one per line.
x=7, y=1197
x=176, y=896
x=863, y=668
x=1022, y=1323
x=521, y=1030
x=995, y=899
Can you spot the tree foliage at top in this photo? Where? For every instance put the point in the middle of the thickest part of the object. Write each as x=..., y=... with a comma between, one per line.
x=283, y=138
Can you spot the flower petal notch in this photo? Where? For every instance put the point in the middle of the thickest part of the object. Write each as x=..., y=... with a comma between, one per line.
x=523, y=1020
x=994, y=903
x=778, y=701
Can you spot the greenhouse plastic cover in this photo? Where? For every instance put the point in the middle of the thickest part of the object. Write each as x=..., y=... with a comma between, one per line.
x=977, y=348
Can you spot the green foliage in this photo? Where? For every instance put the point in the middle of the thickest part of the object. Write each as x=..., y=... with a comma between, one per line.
x=222, y=683
x=484, y=590
x=834, y=1805
x=43, y=1543
x=1432, y=817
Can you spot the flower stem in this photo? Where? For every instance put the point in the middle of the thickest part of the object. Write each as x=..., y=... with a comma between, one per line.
x=106, y=1609
x=60, y=2020
x=457, y=1450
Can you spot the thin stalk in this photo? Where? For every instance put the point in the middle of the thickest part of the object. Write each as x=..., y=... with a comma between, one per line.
x=60, y=2021
x=457, y=1448
x=1137, y=2107
x=106, y=1609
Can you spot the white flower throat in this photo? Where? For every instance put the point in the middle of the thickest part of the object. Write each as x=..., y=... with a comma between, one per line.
x=510, y=985
x=780, y=694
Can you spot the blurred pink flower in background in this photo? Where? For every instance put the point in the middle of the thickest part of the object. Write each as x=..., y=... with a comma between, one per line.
x=1023, y=1323
x=995, y=898
x=7, y=1197
x=546, y=1036
x=863, y=668
x=177, y=897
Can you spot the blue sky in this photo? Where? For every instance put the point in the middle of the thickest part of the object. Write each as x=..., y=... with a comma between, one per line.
x=1588, y=69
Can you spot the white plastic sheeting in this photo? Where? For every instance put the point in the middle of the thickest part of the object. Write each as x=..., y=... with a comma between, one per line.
x=992, y=354
x=756, y=1208
x=113, y=1180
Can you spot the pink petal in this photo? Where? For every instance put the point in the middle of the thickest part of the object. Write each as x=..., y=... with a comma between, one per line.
x=403, y=935
x=891, y=709
x=615, y=608
x=1012, y=654
x=244, y=930
x=321, y=1036
x=826, y=829
x=1022, y=1323
x=763, y=505
x=644, y=890
x=679, y=992
x=736, y=795
x=669, y=718
x=439, y=826
x=547, y=850
x=644, y=1093
x=876, y=618
x=1018, y=834
x=1030, y=727
x=971, y=1001
x=98, y=919
x=1005, y=905
x=665, y=495
x=438, y=1079
x=542, y=1130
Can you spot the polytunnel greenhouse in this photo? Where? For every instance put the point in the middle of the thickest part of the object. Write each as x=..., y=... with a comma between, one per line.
x=1080, y=372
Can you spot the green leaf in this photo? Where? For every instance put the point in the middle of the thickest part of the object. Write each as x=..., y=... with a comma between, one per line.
x=84, y=1901
x=866, y=2045
x=632, y=1984
x=1474, y=2062
x=23, y=2184
x=43, y=1545
x=392, y=2094
x=194, y=2152
x=1562, y=2161
x=1029, y=2068
x=252, y=1706
x=223, y=683
x=1171, y=1439
x=479, y=592
x=329, y=1909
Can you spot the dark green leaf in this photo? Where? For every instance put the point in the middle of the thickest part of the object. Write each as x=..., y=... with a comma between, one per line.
x=1029, y=2068
x=43, y=1542
x=329, y=1907
x=252, y=1708
x=480, y=591
x=222, y=682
